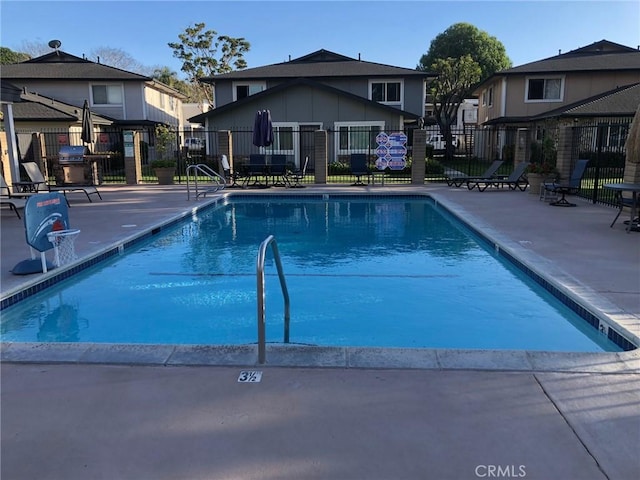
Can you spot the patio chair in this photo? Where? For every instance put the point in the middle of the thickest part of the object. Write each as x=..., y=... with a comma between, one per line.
x=567, y=188
x=622, y=203
x=278, y=170
x=7, y=198
x=294, y=178
x=459, y=180
x=34, y=173
x=517, y=180
x=359, y=168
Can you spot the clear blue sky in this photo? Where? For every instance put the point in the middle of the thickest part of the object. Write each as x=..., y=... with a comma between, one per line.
x=390, y=32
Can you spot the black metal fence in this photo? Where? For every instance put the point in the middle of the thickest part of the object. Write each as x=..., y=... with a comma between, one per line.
x=475, y=149
x=604, y=146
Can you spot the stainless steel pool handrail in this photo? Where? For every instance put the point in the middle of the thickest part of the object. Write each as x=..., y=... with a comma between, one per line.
x=262, y=253
x=207, y=171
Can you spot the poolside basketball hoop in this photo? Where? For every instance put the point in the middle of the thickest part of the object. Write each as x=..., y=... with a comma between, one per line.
x=63, y=242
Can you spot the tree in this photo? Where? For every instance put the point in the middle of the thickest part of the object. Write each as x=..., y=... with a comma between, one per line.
x=170, y=78
x=197, y=50
x=462, y=56
x=8, y=56
x=116, y=57
x=35, y=48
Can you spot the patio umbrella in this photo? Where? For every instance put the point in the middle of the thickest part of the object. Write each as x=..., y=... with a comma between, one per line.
x=632, y=147
x=262, y=129
x=87, y=135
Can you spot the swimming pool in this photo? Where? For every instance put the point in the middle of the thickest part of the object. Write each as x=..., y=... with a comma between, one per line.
x=361, y=272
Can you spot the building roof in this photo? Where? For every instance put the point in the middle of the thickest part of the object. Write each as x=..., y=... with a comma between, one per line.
x=319, y=64
x=9, y=93
x=35, y=107
x=287, y=85
x=602, y=56
x=59, y=65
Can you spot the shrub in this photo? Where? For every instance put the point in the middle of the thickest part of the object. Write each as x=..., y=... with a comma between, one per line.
x=163, y=164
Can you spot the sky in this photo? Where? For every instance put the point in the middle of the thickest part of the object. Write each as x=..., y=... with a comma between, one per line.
x=390, y=32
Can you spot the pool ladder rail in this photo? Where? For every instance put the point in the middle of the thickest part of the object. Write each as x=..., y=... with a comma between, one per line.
x=213, y=183
x=262, y=253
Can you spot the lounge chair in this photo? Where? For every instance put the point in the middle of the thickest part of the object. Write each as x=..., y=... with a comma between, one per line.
x=41, y=185
x=517, y=179
x=570, y=187
x=359, y=168
x=7, y=198
x=294, y=178
x=459, y=180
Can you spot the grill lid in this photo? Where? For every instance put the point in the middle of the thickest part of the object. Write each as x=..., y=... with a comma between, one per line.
x=72, y=153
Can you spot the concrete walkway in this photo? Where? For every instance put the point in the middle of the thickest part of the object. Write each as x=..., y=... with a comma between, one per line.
x=89, y=412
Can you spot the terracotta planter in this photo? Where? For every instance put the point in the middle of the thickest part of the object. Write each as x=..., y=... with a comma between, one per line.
x=165, y=175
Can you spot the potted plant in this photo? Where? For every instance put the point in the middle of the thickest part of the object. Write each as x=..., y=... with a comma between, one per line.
x=538, y=173
x=164, y=170
x=164, y=166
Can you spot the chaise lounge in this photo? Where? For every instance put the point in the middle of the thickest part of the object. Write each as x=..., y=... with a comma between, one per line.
x=7, y=198
x=517, y=179
x=459, y=180
x=40, y=184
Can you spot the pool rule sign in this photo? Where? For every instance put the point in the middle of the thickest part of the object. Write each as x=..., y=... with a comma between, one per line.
x=391, y=151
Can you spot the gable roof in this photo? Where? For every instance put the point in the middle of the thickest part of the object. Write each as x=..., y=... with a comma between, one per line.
x=9, y=93
x=35, y=107
x=257, y=97
x=319, y=64
x=59, y=65
x=602, y=55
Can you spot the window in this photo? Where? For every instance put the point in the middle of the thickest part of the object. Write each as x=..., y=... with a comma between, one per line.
x=283, y=139
x=386, y=92
x=357, y=137
x=544, y=89
x=490, y=101
x=484, y=98
x=107, y=94
x=243, y=90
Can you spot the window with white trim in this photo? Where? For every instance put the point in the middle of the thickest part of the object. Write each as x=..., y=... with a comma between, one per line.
x=244, y=89
x=490, y=100
x=386, y=92
x=357, y=137
x=544, y=89
x=285, y=138
x=106, y=94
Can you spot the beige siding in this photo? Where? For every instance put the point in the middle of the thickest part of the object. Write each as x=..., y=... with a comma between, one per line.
x=577, y=87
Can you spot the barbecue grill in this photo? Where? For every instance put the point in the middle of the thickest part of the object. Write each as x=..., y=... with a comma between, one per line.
x=77, y=166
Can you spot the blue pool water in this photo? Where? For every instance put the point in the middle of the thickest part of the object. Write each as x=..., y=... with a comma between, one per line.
x=392, y=272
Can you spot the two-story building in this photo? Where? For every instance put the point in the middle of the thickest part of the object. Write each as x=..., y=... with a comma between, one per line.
x=128, y=100
x=351, y=99
x=591, y=85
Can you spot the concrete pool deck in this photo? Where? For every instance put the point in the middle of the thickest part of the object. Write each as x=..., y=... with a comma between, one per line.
x=94, y=411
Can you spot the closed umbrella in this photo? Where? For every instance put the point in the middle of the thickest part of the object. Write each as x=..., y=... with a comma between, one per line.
x=87, y=135
x=262, y=129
